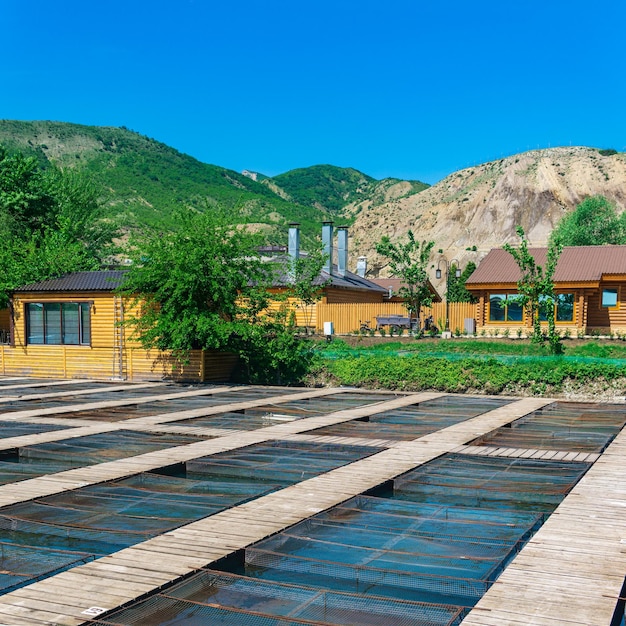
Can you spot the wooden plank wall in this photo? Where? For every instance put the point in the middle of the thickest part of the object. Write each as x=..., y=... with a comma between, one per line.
x=347, y=316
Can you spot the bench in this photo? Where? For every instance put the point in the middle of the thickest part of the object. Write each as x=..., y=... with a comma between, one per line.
x=393, y=321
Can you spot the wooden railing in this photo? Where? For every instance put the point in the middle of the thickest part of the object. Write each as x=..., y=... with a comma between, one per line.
x=348, y=317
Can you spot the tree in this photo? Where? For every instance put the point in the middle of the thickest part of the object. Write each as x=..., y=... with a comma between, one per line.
x=307, y=287
x=457, y=291
x=594, y=222
x=536, y=288
x=203, y=286
x=50, y=223
x=409, y=262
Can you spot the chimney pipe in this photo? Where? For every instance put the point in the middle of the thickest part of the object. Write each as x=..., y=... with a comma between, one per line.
x=327, y=246
x=342, y=250
x=361, y=266
x=293, y=249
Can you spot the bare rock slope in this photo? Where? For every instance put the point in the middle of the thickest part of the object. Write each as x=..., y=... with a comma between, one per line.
x=481, y=206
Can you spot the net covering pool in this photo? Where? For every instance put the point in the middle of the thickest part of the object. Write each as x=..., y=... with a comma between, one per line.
x=56, y=456
x=271, y=414
x=567, y=426
x=46, y=535
x=414, y=421
x=157, y=407
x=424, y=555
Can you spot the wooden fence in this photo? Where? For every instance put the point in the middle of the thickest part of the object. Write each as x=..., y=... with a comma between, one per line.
x=348, y=317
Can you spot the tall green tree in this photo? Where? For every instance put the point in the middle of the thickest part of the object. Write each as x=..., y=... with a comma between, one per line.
x=408, y=260
x=457, y=292
x=307, y=287
x=536, y=289
x=204, y=286
x=594, y=222
x=50, y=223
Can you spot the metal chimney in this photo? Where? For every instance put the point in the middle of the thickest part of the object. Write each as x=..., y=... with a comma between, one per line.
x=361, y=266
x=293, y=249
x=342, y=250
x=327, y=247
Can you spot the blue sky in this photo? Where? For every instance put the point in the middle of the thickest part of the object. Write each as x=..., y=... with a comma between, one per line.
x=410, y=89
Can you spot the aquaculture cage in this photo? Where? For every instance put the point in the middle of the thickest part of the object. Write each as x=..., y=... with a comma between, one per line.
x=414, y=421
x=99, y=392
x=17, y=429
x=423, y=555
x=212, y=597
x=271, y=414
x=158, y=407
x=284, y=462
x=566, y=426
x=56, y=456
x=100, y=519
x=491, y=482
x=9, y=389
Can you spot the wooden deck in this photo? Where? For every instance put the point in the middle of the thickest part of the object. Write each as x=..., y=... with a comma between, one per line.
x=570, y=572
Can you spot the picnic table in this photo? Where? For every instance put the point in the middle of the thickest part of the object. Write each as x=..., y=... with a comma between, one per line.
x=393, y=321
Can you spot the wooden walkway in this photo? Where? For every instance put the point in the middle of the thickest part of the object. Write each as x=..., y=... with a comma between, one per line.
x=572, y=570
x=529, y=453
x=570, y=573
x=72, y=597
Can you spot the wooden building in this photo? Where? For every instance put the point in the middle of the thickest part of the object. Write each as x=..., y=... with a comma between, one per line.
x=72, y=327
x=590, y=282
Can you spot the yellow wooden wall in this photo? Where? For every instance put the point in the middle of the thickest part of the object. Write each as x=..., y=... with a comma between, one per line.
x=347, y=317
x=599, y=317
x=101, y=360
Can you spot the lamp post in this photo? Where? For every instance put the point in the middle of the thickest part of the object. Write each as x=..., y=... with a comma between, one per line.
x=447, y=265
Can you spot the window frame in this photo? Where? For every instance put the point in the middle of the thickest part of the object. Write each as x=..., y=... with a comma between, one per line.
x=505, y=308
x=71, y=326
x=511, y=296
x=610, y=307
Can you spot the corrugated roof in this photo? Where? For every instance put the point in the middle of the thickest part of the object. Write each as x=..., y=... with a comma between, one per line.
x=105, y=280
x=396, y=283
x=349, y=281
x=576, y=264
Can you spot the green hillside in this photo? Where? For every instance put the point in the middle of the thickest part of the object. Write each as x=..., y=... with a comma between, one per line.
x=143, y=180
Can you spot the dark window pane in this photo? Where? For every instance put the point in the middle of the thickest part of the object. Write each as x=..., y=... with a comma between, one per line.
x=70, y=323
x=52, y=314
x=34, y=322
x=496, y=307
x=85, y=322
x=565, y=307
x=515, y=311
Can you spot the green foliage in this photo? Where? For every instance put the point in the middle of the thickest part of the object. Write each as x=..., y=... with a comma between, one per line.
x=50, y=223
x=607, y=151
x=325, y=186
x=144, y=182
x=594, y=222
x=203, y=286
x=306, y=286
x=456, y=286
x=536, y=288
x=458, y=367
x=409, y=262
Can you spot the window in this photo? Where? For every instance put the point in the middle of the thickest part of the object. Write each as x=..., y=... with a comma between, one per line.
x=58, y=323
x=609, y=298
x=564, y=308
x=505, y=308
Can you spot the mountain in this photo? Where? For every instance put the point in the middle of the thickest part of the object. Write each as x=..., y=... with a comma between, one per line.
x=481, y=206
x=143, y=181
x=465, y=214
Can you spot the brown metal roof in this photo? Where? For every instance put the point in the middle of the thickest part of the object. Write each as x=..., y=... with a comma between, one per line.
x=107, y=280
x=396, y=283
x=576, y=264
